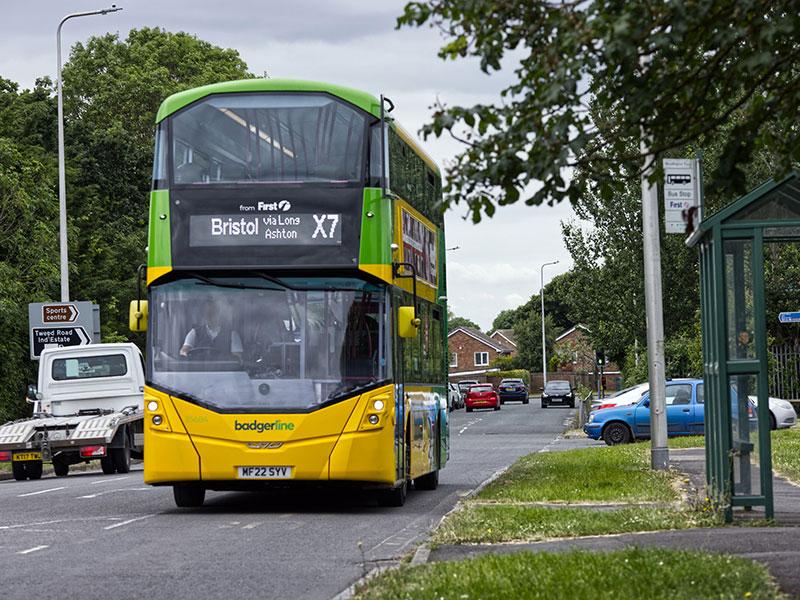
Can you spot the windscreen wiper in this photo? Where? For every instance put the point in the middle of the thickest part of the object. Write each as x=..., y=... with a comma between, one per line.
x=235, y=286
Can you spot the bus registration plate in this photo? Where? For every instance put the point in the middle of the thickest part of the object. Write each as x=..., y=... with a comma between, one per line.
x=265, y=472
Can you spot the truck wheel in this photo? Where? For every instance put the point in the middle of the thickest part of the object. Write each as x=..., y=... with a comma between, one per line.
x=188, y=495
x=34, y=469
x=107, y=464
x=122, y=459
x=61, y=468
x=19, y=470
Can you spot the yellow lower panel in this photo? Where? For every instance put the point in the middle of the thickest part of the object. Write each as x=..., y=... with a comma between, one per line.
x=169, y=457
x=308, y=458
x=364, y=456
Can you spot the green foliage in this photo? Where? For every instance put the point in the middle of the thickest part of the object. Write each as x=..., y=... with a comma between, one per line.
x=112, y=90
x=726, y=64
x=629, y=574
x=516, y=374
x=604, y=474
x=29, y=269
x=477, y=524
x=454, y=322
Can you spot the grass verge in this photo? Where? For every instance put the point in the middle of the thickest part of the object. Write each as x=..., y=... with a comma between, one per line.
x=786, y=452
x=607, y=474
x=686, y=441
x=622, y=575
x=506, y=523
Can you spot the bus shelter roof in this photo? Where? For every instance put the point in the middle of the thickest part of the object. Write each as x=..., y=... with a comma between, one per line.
x=773, y=203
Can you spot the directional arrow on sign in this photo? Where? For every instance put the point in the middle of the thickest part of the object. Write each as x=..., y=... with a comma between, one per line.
x=59, y=313
x=57, y=337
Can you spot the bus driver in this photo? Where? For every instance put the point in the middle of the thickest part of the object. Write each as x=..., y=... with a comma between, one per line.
x=212, y=334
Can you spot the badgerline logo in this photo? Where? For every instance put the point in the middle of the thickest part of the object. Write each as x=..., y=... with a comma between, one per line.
x=261, y=426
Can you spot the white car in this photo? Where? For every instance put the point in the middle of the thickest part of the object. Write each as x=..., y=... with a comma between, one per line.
x=453, y=397
x=781, y=413
x=624, y=397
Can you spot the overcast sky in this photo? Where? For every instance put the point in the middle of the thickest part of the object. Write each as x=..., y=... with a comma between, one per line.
x=349, y=42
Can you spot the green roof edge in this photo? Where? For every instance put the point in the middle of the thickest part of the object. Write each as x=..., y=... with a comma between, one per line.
x=175, y=102
x=734, y=207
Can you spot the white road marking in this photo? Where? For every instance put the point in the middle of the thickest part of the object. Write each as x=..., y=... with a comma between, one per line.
x=40, y=492
x=103, y=493
x=252, y=525
x=110, y=480
x=39, y=523
x=470, y=424
x=34, y=549
x=128, y=522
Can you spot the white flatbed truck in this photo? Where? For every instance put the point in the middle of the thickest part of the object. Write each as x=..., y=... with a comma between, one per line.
x=88, y=405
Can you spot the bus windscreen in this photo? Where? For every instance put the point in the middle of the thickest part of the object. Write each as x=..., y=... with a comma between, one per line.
x=252, y=344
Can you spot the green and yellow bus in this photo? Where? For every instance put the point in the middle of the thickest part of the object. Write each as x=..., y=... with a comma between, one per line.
x=296, y=306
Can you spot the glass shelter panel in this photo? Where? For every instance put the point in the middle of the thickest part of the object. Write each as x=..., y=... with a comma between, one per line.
x=744, y=435
x=739, y=299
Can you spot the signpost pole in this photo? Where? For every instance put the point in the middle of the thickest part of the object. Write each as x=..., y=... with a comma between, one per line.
x=659, y=453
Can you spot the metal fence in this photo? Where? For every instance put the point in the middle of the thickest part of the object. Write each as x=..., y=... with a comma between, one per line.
x=784, y=371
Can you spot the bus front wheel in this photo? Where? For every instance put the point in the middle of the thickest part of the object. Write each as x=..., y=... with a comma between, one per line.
x=188, y=495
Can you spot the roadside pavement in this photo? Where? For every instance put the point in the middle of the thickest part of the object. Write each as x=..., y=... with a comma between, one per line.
x=777, y=546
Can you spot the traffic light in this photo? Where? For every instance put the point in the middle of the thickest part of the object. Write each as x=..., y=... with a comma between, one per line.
x=600, y=357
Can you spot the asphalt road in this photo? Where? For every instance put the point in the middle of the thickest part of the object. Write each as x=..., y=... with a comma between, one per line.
x=110, y=536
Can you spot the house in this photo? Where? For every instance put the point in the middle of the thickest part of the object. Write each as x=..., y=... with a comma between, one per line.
x=471, y=353
x=576, y=355
x=505, y=337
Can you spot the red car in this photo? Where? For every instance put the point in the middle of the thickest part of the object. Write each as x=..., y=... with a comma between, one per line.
x=482, y=396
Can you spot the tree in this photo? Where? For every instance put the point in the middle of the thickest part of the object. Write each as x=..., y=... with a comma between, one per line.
x=112, y=90
x=679, y=71
x=454, y=322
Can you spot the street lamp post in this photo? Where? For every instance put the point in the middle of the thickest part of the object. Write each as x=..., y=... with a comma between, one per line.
x=541, y=296
x=62, y=185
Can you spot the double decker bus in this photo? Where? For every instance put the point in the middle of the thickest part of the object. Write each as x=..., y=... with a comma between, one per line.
x=296, y=306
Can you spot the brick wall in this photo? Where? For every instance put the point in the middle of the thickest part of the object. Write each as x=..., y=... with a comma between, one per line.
x=466, y=346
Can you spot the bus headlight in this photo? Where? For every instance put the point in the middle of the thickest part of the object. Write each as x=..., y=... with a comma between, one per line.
x=377, y=405
x=373, y=419
x=152, y=406
x=157, y=420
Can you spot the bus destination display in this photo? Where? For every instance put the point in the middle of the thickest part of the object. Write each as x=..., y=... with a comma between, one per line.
x=265, y=230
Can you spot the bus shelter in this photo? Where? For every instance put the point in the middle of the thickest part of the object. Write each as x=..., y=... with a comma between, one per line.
x=734, y=331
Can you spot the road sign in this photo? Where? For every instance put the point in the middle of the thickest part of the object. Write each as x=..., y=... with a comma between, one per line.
x=681, y=192
x=61, y=324
x=59, y=313
x=789, y=317
x=57, y=337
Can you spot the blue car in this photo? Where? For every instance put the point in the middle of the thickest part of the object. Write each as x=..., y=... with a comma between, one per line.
x=623, y=424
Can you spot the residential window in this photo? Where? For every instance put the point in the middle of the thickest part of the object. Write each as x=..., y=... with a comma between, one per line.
x=453, y=359
x=481, y=359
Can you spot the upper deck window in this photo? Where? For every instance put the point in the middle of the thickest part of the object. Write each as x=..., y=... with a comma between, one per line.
x=268, y=138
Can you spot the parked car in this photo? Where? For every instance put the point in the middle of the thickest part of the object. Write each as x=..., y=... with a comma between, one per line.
x=512, y=389
x=558, y=391
x=454, y=400
x=625, y=423
x=482, y=396
x=463, y=387
x=630, y=395
x=781, y=413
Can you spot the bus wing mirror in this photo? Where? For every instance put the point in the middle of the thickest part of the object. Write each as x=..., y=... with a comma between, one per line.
x=407, y=322
x=137, y=315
